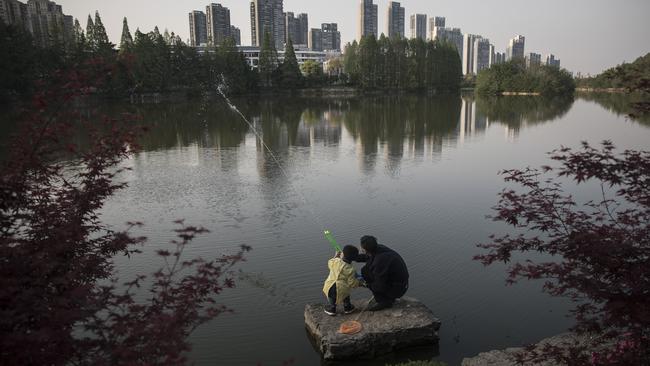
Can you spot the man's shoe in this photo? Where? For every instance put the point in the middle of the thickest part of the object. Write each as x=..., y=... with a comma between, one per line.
x=380, y=306
x=349, y=309
x=330, y=310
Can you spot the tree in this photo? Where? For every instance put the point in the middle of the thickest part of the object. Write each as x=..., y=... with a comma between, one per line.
x=291, y=77
x=126, y=41
x=238, y=76
x=268, y=63
x=60, y=300
x=18, y=66
x=399, y=64
x=351, y=62
x=102, y=46
x=313, y=72
x=513, y=76
x=80, y=45
x=167, y=37
x=599, y=250
x=368, y=59
x=90, y=34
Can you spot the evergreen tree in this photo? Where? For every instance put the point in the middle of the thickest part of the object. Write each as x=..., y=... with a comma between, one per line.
x=17, y=67
x=90, y=34
x=126, y=42
x=235, y=69
x=291, y=77
x=103, y=47
x=351, y=62
x=268, y=63
x=368, y=62
x=167, y=37
x=78, y=34
x=161, y=61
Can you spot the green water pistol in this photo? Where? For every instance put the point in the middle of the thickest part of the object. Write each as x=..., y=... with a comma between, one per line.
x=330, y=238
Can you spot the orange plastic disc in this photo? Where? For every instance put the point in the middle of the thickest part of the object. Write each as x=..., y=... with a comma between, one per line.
x=350, y=327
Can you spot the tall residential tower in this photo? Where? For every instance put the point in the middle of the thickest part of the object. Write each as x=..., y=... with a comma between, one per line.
x=267, y=16
x=515, y=48
x=435, y=23
x=419, y=26
x=198, y=29
x=217, y=19
x=368, y=23
x=395, y=19
x=296, y=28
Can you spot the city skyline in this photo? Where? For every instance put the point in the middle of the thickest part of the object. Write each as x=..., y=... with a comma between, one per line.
x=575, y=31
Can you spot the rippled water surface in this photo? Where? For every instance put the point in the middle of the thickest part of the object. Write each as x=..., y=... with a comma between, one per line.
x=419, y=173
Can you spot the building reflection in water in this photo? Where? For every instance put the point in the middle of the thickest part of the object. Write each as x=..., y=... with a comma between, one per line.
x=381, y=130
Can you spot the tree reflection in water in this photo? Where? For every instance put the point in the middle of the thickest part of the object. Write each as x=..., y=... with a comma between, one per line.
x=620, y=104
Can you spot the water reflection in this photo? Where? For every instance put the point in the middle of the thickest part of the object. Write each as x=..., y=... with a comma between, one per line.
x=387, y=124
x=619, y=103
x=517, y=112
x=388, y=127
x=428, y=194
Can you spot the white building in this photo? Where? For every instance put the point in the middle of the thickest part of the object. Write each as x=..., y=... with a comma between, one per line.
x=468, y=53
x=482, y=53
x=252, y=55
x=516, y=48
x=435, y=23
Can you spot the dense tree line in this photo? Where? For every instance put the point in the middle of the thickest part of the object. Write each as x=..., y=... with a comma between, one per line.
x=633, y=77
x=144, y=63
x=514, y=76
x=162, y=62
x=401, y=64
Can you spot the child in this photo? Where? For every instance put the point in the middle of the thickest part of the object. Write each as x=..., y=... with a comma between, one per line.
x=341, y=280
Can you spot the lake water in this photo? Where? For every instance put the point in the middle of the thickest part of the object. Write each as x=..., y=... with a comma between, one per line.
x=419, y=173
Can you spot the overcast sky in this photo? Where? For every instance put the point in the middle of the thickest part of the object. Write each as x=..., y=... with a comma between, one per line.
x=587, y=35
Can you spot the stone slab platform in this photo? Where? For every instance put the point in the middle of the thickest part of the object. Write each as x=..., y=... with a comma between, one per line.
x=408, y=323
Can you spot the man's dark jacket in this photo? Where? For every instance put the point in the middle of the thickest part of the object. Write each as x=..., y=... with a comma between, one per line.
x=385, y=272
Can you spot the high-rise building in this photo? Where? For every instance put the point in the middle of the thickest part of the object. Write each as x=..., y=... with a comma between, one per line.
x=316, y=39
x=434, y=24
x=331, y=37
x=198, y=29
x=453, y=36
x=515, y=48
x=552, y=61
x=368, y=22
x=468, y=52
x=296, y=28
x=533, y=60
x=235, y=33
x=303, y=19
x=419, y=26
x=5, y=15
x=395, y=19
x=482, y=52
x=13, y=12
x=218, y=23
x=500, y=57
x=267, y=16
x=47, y=19
x=493, y=55
x=43, y=19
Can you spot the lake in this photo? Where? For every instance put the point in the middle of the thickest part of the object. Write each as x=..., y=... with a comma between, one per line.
x=419, y=173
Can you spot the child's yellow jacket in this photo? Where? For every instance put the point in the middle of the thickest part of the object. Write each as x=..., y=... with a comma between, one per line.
x=342, y=274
